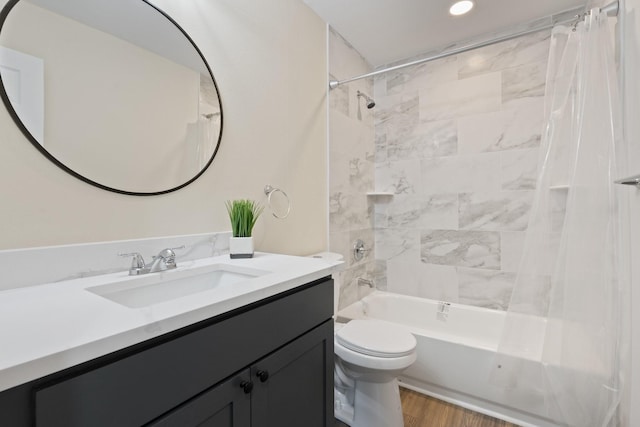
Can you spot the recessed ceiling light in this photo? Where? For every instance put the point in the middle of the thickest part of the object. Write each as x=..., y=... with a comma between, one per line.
x=461, y=7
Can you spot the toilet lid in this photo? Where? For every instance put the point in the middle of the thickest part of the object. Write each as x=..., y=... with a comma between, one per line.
x=376, y=338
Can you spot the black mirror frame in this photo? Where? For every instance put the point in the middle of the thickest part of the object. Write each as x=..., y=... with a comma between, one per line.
x=5, y=98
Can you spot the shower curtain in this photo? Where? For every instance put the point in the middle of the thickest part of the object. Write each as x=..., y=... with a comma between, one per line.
x=563, y=335
x=200, y=141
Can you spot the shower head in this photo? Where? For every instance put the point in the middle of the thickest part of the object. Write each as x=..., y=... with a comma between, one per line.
x=370, y=102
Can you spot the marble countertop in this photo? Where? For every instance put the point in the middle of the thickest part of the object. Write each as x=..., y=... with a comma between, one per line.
x=53, y=326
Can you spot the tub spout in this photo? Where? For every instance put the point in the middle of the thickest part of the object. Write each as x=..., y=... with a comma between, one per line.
x=365, y=282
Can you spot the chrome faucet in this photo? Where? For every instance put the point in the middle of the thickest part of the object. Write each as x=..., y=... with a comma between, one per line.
x=365, y=282
x=165, y=260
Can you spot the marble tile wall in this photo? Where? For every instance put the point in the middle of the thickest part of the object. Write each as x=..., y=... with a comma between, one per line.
x=456, y=142
x=351, y=170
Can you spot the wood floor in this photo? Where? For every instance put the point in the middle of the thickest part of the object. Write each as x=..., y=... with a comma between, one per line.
x=424, y=411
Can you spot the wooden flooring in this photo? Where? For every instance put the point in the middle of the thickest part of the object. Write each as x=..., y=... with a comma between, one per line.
x=424, y=411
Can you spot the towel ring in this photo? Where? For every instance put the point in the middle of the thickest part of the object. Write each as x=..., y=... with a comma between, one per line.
x=269, y=190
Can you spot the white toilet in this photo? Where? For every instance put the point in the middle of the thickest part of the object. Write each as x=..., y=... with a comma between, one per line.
x=370, y=354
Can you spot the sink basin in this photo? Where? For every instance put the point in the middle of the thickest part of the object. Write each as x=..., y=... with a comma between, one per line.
x=155, y=288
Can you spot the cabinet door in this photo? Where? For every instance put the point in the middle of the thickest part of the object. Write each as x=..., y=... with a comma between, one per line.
x=293, y=386
x=225, y=405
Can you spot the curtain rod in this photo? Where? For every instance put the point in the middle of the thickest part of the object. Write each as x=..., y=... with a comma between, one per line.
x=611, y=9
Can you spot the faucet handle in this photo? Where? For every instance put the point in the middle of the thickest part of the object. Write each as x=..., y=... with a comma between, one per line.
x=169, y=256
x=137, y=261
x=168, y=252
x=359, y=250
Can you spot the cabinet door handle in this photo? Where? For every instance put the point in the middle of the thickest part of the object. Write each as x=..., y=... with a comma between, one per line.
x=262, y=375
x=246, y=386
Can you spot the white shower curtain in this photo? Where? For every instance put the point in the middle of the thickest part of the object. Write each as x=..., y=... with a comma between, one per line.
x=563, y=333
x=200, y=142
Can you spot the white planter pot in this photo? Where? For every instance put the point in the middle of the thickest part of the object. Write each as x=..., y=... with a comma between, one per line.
x=241, y=247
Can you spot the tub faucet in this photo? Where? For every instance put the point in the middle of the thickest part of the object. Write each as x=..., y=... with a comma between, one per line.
x=365, y=282
x=165, y=260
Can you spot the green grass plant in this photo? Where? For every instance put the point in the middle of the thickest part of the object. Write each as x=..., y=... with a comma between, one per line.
x=243, y=215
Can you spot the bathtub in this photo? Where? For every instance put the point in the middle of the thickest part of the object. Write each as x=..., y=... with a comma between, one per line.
x=456, y=348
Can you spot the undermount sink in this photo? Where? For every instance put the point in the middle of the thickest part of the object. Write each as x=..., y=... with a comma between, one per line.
x=155, y=288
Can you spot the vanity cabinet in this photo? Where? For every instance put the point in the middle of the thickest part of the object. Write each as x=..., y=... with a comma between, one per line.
x=225, y=405
x=266, y=364
x=283, y=389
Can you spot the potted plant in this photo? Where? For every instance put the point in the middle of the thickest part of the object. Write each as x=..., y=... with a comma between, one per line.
x=243, y=215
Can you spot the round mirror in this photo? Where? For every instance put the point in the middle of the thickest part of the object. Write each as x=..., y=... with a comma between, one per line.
x=112, y=91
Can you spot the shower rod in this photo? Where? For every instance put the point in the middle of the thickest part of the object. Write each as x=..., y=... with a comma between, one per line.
x=560, y=18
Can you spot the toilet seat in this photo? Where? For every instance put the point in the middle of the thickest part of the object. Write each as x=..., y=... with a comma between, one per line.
x=382, y=364
x=376, y=338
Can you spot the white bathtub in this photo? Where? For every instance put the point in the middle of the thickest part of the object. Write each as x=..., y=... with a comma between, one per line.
x=456, y=348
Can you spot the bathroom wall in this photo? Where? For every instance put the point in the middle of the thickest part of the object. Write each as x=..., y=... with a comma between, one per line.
x=351, y=168
x=269, y=59
x=457, y=144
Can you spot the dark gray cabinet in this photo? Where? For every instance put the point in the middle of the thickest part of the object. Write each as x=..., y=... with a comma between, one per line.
x=266, y=364
x=288, y=391
x=225, y=405
x=283, y=389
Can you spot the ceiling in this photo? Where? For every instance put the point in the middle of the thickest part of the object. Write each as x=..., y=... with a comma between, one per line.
x=384, y=31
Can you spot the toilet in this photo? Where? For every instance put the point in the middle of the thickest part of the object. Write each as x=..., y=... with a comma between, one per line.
x=369, y=356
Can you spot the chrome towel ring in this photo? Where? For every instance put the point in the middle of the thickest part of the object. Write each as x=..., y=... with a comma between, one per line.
x=269, y=191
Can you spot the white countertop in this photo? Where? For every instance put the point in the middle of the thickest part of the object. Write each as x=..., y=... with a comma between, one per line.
x=51, y=327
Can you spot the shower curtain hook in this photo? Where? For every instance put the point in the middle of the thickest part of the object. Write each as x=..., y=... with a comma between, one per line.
x=579, y=18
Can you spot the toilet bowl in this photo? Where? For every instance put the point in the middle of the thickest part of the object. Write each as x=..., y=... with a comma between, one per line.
x=370, y=354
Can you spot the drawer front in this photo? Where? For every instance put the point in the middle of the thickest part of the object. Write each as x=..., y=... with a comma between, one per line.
x=142, y=386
